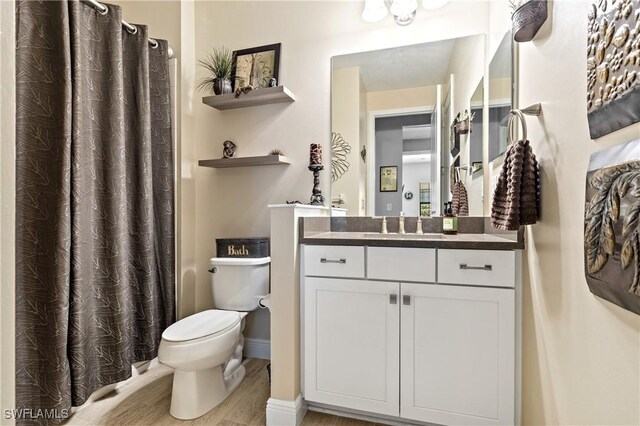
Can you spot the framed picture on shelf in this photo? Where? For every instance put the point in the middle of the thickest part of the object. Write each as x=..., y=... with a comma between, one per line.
x=256, y=66
x=389, y=179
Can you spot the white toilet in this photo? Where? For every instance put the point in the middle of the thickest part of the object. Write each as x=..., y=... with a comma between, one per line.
x=205, y=349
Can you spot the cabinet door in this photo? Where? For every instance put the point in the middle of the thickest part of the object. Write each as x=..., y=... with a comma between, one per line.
x=457, y=354
x=351, y=344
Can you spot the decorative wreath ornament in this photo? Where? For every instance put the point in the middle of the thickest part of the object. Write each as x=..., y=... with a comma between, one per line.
x=408, y=195
x=339, y=150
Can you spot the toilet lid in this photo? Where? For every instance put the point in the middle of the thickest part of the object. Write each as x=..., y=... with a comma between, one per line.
x=200, y=325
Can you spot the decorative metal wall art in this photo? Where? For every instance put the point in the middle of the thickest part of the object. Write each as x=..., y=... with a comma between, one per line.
x=613, y=66
x=612, y=225
x=339, y=151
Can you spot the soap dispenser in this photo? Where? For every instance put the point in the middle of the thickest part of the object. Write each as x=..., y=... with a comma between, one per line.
x=449, y=221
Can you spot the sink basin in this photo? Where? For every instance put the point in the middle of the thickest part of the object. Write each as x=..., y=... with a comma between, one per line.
x=405, y=236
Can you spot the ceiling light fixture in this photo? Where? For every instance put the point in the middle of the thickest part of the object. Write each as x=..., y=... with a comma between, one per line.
x=403, y=11
x=374, y=10
x=433, y=4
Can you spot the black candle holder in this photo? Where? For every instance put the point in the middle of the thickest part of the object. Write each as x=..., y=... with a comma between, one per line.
x=316, y=194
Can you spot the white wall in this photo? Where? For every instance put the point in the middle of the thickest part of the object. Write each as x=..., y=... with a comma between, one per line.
x=7, y=208
x=174, y=21
x=345, y=120
x=581, y=354
x=467, y=64
x=412, y=175
x=232, y=202
x=363, y=122
x=499, y=89
x=402, y=98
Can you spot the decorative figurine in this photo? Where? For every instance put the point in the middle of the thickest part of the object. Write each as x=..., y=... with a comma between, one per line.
x=273, y=82
x=229, y=149
x=243, y=90
x=315, y=165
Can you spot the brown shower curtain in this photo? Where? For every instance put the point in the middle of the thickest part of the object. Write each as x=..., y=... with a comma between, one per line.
x=94, y=202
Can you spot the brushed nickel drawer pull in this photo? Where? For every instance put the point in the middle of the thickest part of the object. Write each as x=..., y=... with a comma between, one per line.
x=406, y=300
x=393, y=299
x=325, y=260
x=477, y=268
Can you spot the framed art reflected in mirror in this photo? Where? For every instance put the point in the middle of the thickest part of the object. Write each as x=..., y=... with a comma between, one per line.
x=389, y=179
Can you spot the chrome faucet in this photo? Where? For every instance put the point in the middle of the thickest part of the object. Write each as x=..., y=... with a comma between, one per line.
x=384, y=226
x=401, y=223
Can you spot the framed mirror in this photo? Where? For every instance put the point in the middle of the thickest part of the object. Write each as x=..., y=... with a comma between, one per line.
x=500, y=96
x=473, y=174
x=393, y=110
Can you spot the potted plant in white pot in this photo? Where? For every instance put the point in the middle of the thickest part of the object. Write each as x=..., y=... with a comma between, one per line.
x=219, y=64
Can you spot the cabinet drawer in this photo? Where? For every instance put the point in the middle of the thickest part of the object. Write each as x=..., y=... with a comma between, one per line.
x=477, y=267
x=401, y=264
x=334, y=261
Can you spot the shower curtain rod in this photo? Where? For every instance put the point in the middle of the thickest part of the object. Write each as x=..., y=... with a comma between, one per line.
x=103, y=10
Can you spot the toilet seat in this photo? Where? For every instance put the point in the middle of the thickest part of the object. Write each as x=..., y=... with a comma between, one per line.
x=203, y=324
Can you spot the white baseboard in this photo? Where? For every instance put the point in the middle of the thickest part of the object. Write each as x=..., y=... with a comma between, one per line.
x=285, y=413
x=257, y=348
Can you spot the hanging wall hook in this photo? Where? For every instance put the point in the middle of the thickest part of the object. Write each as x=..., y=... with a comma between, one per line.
x=512, y=131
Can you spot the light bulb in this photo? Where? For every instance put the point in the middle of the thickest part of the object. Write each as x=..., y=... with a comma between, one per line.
x=374, y=10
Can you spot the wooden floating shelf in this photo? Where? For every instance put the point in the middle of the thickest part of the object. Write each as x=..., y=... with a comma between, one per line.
x=267, y=95
x=265, y=160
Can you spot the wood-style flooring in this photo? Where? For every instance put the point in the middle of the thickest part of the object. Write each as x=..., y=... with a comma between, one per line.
x=145, y=401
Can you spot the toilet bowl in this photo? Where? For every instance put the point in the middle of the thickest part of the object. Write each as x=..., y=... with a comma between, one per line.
x=198, y=347
x=205, y=349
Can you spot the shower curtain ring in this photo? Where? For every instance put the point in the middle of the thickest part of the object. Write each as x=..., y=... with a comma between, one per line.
x=153, y=43
x=133, y=31
x=103, y=11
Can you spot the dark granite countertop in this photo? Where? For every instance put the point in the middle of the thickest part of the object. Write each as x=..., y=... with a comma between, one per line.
x=474, y=241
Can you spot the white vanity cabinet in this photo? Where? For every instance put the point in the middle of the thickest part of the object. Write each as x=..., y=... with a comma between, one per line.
x=457, y=347
x=393, y=341
x=352, y=333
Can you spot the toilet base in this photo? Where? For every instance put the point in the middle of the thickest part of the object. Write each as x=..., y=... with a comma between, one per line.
x=195, y=393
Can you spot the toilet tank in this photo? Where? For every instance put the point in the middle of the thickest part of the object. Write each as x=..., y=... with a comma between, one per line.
x=236, y=282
